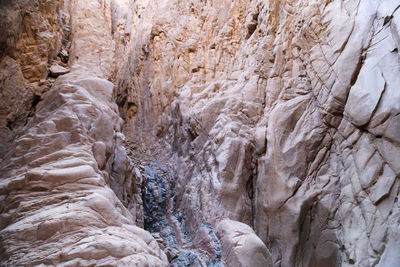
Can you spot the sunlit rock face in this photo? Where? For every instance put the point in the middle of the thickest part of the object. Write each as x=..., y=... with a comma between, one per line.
x=199, y=133
x=56, y=169
x=279, y=114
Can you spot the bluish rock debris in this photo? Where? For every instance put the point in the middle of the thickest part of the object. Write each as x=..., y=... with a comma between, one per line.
x=158, y=193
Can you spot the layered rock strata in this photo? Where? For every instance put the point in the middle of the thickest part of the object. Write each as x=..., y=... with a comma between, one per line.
x=57, y=207
x=277, y=116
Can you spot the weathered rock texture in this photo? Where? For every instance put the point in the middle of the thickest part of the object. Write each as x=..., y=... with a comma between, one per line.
x=279, y=114
x=278, y=119
x=57, y=208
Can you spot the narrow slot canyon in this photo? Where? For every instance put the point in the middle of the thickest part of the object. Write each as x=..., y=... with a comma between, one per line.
x=237, y=133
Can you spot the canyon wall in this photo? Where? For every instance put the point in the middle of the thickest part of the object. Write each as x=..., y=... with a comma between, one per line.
x=238, y=133
x=57, y=208
x=279, y=114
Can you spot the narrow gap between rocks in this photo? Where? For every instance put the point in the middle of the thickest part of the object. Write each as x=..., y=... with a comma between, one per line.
x=167, y=223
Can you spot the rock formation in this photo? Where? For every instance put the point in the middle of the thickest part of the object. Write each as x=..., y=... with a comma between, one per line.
x=199, y=133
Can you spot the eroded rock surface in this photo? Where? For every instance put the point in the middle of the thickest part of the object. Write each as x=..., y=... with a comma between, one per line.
x=279, y=114
x=241, y=246
x=253, y=133
x=57, y=207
